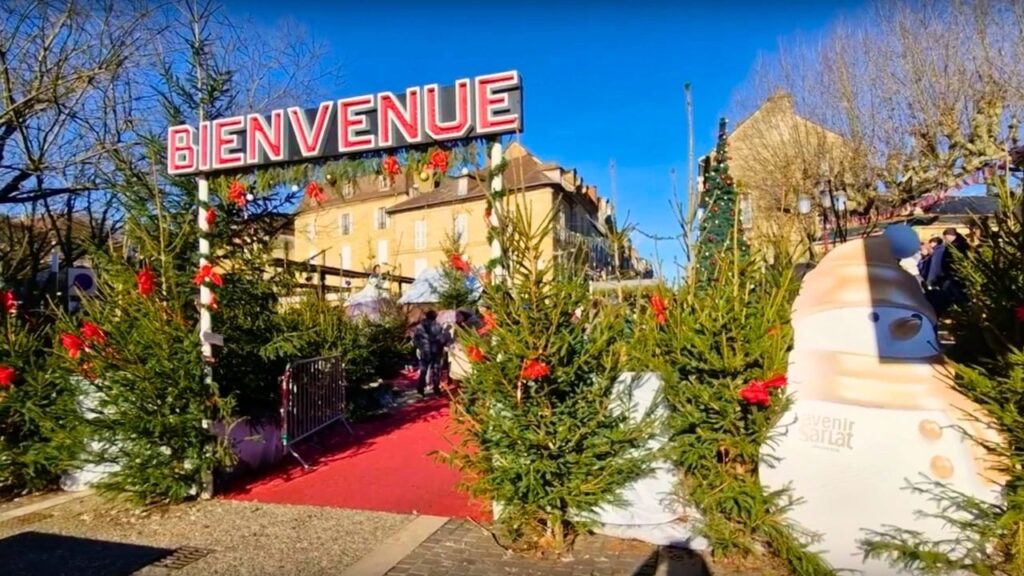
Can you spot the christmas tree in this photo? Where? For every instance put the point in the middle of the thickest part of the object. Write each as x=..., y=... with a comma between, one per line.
x=454, y=289
x=719, y=231
x=40, y=427
x=988, y=329
x=539, y=435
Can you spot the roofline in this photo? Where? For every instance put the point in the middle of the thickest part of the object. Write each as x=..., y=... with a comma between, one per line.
x=467, y=198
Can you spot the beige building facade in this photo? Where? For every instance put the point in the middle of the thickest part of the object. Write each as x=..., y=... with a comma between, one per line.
x=403, y=227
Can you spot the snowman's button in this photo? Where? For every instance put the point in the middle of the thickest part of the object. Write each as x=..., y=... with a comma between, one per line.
x=942, y=467
x=930, y=429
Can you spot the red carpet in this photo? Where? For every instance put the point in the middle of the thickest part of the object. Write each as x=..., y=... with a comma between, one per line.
x=386, y=466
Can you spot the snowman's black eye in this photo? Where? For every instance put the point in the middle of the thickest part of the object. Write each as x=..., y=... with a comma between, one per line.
x=874, y=316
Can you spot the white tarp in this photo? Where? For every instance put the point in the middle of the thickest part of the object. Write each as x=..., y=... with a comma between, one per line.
x=651, y=510
x=425, y=289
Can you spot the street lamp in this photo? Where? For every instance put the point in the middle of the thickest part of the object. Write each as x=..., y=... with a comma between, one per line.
x=803, y=205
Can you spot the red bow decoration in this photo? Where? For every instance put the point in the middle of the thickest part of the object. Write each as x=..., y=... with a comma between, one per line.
x=206, y=273
x=9, y=302
x=475, y=354
x=390, y=166
x=758, y=393
x=236, y=193
x=93, y=333
x=145, y=280
x=211, y=217
x=534, y=370
x=488, y=323
x=73, y=344
x=660, y=309
x=7, y=376
x=459, y=264
x=315, y=192
x=439, y=161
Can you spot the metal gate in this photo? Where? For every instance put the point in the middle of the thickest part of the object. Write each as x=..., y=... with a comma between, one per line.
x=312, y=398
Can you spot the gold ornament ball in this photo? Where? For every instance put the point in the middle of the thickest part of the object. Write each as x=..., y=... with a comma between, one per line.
x=424, y=175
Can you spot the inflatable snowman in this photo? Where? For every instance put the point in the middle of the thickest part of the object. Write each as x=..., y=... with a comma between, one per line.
x=873, y=406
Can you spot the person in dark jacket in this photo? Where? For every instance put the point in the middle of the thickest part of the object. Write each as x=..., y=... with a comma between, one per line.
x=429, y=339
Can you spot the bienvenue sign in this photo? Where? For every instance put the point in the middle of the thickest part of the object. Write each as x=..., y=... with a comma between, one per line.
x=482, y=106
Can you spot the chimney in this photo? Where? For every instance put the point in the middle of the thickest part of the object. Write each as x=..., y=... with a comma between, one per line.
x=462, y=185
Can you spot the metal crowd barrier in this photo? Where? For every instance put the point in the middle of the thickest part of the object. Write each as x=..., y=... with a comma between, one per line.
x=312, y=398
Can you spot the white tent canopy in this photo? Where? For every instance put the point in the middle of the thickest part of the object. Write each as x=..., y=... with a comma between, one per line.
x=425, y=289
x=367, y=302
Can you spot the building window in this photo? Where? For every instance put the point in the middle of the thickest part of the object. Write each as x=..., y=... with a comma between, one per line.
x=382, y=218
x=461, y=228
x=420, y=266
x=383, y=183
x=420, y=235
x=345, y=224
x=346, y=257
x=348, y=189
x=382, y=252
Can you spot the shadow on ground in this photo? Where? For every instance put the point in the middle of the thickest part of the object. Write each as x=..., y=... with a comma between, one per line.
x=41, y=554
x=674, y=562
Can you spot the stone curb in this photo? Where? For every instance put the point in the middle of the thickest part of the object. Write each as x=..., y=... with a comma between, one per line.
x=55, y=500
x=386, y=556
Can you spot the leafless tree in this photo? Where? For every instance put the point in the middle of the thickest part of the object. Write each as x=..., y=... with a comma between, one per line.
x=87, y=89
x=921, y=94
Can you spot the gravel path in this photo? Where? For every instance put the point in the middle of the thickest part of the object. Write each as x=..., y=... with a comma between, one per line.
x=246, y=538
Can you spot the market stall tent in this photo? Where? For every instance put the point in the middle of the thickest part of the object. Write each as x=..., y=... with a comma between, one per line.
x=425, y=289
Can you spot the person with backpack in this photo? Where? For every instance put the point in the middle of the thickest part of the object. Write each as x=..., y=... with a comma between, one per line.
x=429, y=340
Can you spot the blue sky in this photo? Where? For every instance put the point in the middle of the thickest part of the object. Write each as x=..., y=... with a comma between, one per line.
x=600, y=81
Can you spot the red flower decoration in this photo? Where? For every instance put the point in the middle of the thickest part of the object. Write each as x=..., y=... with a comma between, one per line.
x=73, y=344
x=7, y=376
x=459, y=264
x=534, y=370
x=9, y=302
x=93, y=333
x=1019, y=312
x=776, y=382
x=315, y=192
x=439, y=161
x=207, y=274
x=660, y=309
x=390, y=166
x=236, y=193
x=475, y=354
x=211, y=217
x=489, y=323
x=145, y=280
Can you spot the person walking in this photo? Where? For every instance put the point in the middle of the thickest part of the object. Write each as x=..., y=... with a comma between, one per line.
x=429, y=340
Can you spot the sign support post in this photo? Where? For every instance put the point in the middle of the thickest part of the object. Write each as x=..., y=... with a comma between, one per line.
x=496, y=204
x=205, y=319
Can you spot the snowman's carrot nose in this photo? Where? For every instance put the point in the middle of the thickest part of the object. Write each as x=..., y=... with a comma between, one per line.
x=907, y=327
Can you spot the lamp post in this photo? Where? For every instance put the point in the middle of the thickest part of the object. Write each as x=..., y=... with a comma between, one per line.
x=803, y=206
x=833, y=201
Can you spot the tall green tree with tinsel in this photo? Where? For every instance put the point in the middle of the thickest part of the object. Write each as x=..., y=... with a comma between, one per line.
x=718, y=226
